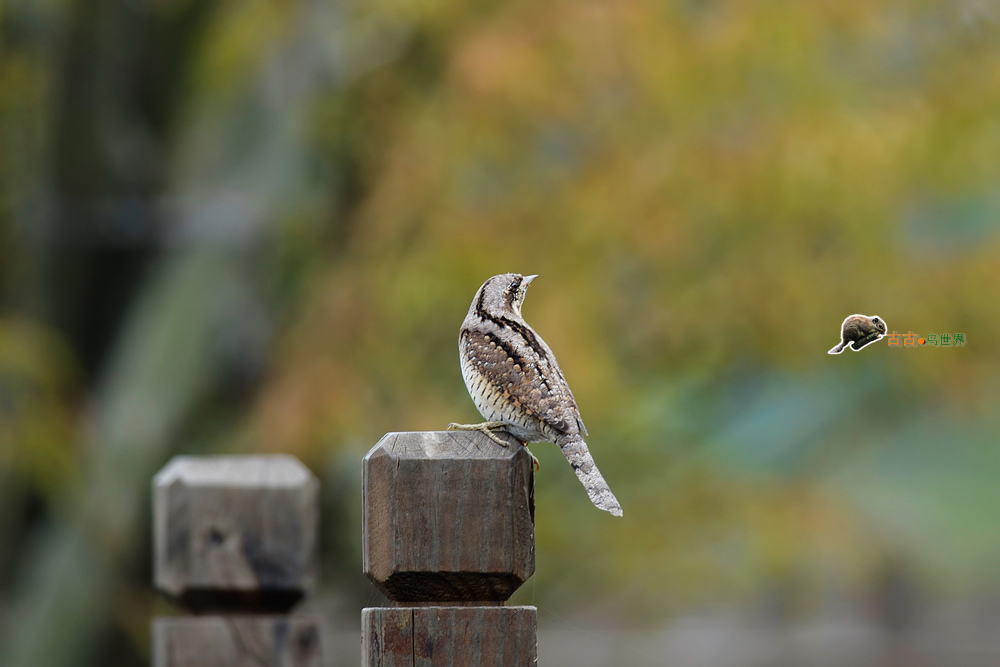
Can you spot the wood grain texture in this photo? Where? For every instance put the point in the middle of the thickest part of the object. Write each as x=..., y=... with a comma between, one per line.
x=448, y=517
x=387, y=637
x=235, y=533
x=449, y=637
x=237, y=641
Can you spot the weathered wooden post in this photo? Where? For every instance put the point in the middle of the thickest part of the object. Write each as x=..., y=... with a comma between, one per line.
x=235, y=541
x=449, y=535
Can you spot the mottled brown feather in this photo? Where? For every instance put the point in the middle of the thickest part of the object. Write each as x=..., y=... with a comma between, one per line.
x=526, y=378
x=515, y=382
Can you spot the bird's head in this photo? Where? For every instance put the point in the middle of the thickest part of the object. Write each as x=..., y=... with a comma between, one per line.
x=502, y=295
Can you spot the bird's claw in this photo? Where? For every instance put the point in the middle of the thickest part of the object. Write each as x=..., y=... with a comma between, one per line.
x=485, y=428
x=538, y=466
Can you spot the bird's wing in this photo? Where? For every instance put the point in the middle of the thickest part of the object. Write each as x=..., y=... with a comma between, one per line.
x=554, y=370
x=526, y=373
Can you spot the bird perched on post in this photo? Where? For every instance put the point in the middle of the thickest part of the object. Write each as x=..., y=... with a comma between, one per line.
x=517, y=385
x=858, y=331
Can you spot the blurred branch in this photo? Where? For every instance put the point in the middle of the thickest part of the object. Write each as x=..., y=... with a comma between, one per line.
x=228, y=184
x=161, y=369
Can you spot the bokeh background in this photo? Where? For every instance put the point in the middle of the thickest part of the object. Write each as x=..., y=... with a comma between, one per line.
x=255, y=226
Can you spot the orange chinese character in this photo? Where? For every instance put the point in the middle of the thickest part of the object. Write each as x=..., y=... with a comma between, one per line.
x=909, y=340
x=893, y=339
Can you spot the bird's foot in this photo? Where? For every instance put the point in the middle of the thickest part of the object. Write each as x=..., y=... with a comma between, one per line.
x=538, y=466
x=486, y=428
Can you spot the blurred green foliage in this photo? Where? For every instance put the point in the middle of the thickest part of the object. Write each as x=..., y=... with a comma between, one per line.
x=230, y=227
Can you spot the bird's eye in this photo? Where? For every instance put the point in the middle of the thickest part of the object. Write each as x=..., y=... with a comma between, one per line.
x=513, y=286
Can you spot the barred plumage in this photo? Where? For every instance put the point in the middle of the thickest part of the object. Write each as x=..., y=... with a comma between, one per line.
x=517, y=385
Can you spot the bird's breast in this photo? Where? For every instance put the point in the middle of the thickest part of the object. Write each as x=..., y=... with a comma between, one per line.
x=496, y=403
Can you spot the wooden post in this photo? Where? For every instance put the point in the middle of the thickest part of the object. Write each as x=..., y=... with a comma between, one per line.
x=448, y=536
x=235, y=541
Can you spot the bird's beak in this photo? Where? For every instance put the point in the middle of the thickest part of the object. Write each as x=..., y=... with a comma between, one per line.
x=527, y=280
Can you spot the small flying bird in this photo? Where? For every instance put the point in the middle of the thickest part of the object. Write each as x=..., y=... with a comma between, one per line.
x=517, y=385
x=858, y=331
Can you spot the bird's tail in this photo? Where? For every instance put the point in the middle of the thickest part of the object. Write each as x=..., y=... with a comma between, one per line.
x=575, y=450
x=838, y=348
